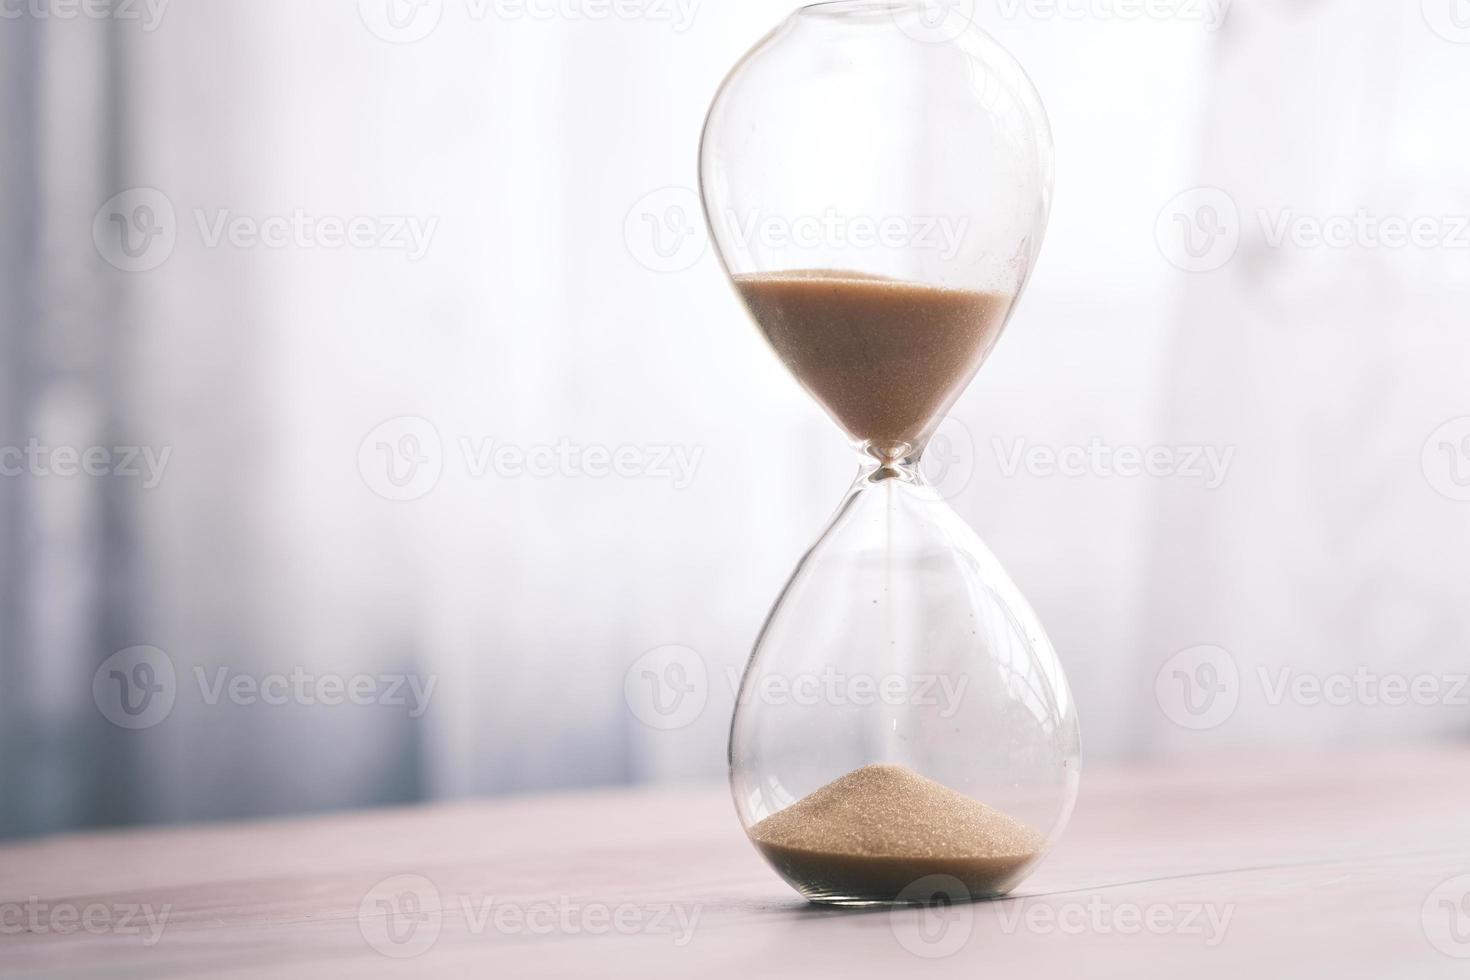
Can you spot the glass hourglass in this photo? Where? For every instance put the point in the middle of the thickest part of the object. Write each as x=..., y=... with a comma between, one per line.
x=876, y=180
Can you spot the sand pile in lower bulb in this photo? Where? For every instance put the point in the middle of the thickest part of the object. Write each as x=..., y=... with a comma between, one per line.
x=877, y=830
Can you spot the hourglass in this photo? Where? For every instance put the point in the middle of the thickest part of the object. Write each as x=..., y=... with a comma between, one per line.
x=876, y=181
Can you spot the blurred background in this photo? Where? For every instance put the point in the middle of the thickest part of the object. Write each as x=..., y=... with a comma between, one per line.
x=372, y=406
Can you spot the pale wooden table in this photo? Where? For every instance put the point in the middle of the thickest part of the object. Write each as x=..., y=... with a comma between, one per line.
x=1339, y=866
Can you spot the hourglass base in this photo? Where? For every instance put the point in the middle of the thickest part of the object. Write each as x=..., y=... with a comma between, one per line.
x=863, y=881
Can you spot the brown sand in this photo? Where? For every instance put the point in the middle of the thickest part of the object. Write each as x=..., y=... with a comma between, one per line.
x=869, y=835
x=885, y=357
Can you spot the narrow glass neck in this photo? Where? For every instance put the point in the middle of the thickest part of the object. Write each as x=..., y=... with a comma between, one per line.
x=892, y=461
x=873, y=470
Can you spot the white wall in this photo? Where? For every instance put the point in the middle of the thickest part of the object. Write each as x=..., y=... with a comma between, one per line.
x=530, y=320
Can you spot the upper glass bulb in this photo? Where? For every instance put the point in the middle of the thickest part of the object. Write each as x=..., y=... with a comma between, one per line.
x=891, y=141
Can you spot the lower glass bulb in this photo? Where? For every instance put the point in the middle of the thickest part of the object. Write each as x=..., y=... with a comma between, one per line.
x=903, y=715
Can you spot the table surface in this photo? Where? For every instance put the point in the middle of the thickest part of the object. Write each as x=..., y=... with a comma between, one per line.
x=1334, y=866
